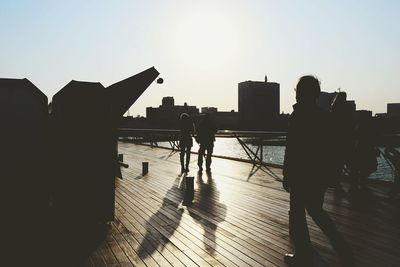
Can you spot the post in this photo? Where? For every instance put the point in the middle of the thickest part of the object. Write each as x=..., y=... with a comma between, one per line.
x=189, y=190
x=145, y=168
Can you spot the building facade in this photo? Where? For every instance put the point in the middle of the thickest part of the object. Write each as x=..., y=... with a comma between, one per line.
x=258, y=103
x=167, y=114
x=393, y=110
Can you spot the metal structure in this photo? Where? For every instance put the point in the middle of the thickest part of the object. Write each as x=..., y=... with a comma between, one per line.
x=259, y=139
x=58, y=169
x=85, y=116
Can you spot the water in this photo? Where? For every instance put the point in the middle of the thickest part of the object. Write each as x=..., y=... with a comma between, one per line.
x=230, y=147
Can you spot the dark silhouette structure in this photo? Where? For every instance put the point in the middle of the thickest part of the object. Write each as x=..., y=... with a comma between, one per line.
x=393, y=110
x=59, y=169
x=206, y=131
x=306, y=172
x=365, y=155
x=167, y=115
x=342, y=119
x=24, y=175
x=258, y=104
x=185, y=141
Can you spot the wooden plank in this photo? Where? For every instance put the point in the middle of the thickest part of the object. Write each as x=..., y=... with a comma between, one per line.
x=239, y=219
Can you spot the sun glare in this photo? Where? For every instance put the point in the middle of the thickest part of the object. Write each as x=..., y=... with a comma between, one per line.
x=206, y=37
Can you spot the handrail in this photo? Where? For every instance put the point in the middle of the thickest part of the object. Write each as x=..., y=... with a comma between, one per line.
x=220, y=133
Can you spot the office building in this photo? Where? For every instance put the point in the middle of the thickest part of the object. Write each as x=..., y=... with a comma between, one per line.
x=393, y=110
x=258, y=103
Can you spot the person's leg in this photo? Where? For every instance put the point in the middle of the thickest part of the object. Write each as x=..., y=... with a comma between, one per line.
x=321, y=218
x=187, y=157
x=200, y=157
x=299, y=229
x=209, y=154
x=182, y=158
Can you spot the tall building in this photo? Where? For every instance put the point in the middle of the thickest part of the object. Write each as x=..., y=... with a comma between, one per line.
x=258, y=103
x=393, y=110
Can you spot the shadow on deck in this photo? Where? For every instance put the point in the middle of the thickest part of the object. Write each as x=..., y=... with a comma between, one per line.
x=239, y=217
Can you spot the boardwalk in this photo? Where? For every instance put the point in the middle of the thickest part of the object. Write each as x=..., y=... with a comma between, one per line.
x=239, y=218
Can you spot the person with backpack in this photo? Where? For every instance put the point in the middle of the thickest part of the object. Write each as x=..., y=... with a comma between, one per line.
x=307, y=170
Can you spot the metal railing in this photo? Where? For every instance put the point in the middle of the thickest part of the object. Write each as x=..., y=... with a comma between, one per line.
x=259, y=139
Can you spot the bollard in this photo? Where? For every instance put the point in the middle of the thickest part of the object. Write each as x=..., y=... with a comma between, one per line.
x=145, y=168
x=189, y=192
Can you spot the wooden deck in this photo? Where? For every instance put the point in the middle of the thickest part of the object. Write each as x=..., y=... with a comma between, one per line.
x=239, y=218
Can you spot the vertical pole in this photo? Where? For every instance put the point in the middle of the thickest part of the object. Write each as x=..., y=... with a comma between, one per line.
x=189, y=191
x=145, y=168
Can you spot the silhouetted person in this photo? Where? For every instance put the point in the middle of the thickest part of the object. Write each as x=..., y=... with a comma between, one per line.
x=365, y=153
x=306, y=172
x=206, y=137
x=185, y=140
x=342, y=136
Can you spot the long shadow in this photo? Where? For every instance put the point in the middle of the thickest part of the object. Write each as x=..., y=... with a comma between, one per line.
x=265, y=169
x=159, y=228
x=170, y=154
x=207, y=200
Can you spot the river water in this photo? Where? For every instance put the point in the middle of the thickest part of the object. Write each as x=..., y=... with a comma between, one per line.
x=230, y=147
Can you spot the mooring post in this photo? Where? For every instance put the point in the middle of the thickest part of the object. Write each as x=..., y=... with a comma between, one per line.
x=145, y=167
x=189, y=192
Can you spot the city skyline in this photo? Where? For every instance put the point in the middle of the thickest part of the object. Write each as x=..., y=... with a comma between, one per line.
x=207, y=48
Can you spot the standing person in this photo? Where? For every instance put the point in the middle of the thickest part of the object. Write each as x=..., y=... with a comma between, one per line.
x=185, y=140
x=343, y=137
x=206, y=137
x=306, y=172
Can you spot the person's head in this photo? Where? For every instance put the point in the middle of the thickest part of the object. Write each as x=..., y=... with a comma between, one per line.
x=308, y=90
x=340, y=99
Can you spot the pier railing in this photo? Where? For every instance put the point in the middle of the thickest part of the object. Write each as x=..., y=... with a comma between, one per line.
x=258, y=139
x=252, y=142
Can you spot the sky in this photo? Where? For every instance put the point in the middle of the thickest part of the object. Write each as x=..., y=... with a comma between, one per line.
x=203, y=49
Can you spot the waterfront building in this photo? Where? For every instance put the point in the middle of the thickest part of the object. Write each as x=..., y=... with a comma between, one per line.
x=167, y=114
x=393, y=110
x=258, y=103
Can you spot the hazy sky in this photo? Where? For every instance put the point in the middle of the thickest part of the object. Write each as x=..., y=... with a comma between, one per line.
x=203, y=49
